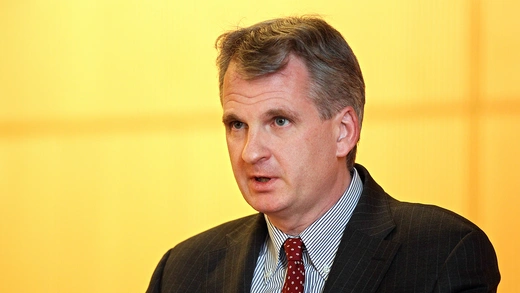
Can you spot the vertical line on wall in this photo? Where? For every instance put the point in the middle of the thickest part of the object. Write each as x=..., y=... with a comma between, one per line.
x=475, y=92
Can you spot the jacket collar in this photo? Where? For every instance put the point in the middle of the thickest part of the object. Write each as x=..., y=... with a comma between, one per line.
x=364, y=254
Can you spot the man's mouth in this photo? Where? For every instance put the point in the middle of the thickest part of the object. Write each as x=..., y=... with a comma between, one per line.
x=262, y=179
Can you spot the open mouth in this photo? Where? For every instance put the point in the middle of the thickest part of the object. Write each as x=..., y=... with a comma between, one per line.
x=262, y=179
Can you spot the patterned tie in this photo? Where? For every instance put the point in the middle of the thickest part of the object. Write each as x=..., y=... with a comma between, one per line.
x=295, y=275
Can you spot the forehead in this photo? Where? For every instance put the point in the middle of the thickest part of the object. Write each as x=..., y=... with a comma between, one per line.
x=291, y=82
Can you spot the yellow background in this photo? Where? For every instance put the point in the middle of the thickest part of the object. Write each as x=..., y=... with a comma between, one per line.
x=112, y=150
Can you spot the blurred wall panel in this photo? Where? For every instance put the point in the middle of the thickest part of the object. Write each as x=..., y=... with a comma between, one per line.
x=112, y=149
x=498, y=140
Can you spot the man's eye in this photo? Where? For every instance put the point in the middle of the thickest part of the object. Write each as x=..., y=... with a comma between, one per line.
x=280, y=121
x=237, y=125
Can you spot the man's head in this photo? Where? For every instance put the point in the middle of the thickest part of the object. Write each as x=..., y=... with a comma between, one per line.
x=265, y=48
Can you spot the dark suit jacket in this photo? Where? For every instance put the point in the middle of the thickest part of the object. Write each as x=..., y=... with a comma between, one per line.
x=387, y=246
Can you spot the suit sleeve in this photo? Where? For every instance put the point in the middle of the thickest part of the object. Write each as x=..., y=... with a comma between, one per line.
x=472, y=266
x=156, y=281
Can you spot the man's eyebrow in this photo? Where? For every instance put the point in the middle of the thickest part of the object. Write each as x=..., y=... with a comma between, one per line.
x=282, y=112
x=271, y=113
x=228, y=118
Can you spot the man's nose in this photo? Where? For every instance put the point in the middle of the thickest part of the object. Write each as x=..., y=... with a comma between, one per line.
x=256, y=146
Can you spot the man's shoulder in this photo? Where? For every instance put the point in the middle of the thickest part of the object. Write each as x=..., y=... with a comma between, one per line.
x=184, y=266
x=217, y=237
x=434, y=217
x=411, y=215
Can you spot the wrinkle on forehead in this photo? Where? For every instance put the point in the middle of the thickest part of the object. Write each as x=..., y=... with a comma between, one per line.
x=264, y=85
x=251, y=100
x=233, y=78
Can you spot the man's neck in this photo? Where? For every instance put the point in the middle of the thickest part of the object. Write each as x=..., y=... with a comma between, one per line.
x=294, y=224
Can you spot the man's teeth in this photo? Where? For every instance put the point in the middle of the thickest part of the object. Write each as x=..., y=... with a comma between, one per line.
x=262, y=179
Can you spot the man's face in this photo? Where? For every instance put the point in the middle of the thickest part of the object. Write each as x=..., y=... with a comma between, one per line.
x=284, y=156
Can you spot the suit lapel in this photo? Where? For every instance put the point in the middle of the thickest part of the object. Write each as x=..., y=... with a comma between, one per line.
x=364, y=255
x=235, y=263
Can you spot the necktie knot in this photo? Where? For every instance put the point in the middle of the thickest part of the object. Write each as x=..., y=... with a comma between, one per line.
x=293, y=248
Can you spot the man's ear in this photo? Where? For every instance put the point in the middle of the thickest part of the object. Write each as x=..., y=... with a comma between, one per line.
x=347, y=134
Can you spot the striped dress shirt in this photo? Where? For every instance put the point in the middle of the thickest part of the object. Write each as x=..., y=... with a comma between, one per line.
x=321, y=240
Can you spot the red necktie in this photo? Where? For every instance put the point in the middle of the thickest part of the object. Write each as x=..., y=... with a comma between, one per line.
x=295, y=276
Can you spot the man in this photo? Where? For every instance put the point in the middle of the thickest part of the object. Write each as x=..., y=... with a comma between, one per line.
x=293, y=95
